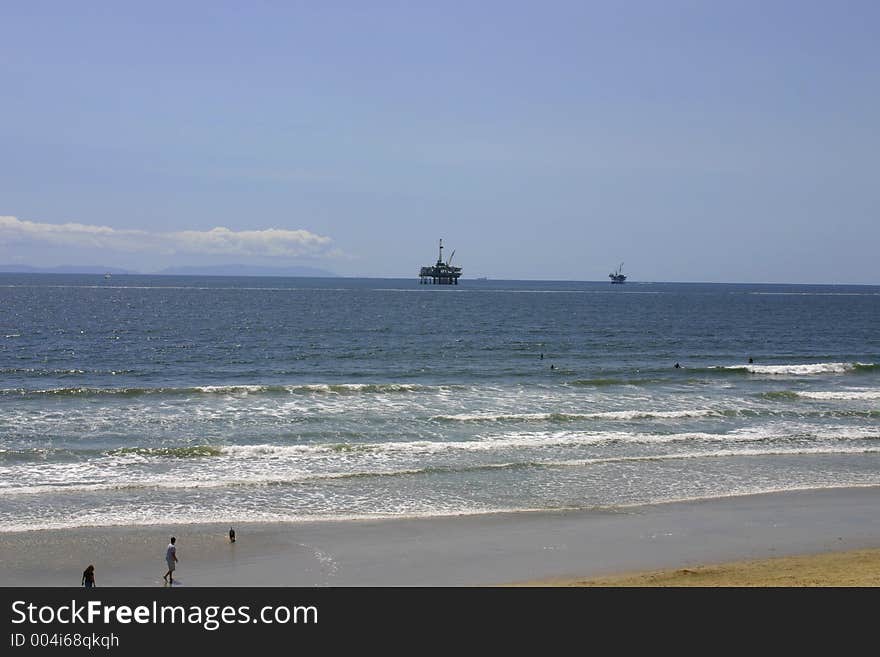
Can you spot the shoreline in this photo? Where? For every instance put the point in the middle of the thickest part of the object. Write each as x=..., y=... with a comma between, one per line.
x=532, y=548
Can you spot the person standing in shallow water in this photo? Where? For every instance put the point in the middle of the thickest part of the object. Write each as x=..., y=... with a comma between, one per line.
x=171, y=560
x=88, y=578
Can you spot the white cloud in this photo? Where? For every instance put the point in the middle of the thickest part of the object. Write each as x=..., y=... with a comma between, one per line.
x=217, y=241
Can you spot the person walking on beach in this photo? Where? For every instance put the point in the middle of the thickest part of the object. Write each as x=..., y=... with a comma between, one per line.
x=88, y=578
x=231, y=535
x=171, y=560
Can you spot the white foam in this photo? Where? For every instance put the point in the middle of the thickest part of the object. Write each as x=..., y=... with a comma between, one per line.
x=147, y=517
x=842, y=394
x=214, y=480
x=231, y=389
x=647, y=415
x=721, y=453
x=605, y=415
x=326, y=388
x=799, y=369
x=545, y=439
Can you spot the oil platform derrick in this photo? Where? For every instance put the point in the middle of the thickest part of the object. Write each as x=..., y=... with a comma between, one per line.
x=440, y=273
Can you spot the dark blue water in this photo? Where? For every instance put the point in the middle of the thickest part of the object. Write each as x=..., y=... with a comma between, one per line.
x=138, y=398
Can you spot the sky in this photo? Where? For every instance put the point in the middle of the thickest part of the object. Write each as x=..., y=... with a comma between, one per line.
x=690, y=140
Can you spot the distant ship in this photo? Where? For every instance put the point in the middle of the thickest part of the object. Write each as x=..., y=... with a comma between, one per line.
x=107, y=276
x=617, y=276
x=441, y=273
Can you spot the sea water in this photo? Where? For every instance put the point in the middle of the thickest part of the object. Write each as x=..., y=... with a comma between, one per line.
x=145, y=399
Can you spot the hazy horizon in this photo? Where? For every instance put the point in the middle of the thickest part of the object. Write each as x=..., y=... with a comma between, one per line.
x=88, y=270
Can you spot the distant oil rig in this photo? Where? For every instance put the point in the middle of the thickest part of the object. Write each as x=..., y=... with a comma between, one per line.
x=441, y=273
x=618, y=276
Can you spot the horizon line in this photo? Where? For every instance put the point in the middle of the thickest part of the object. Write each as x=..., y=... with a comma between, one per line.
x=481, y=279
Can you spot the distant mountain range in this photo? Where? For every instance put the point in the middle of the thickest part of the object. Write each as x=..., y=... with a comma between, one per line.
x=63, y=269
x=206, y=270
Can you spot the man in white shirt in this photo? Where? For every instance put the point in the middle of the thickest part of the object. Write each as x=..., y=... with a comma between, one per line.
x=171, y=560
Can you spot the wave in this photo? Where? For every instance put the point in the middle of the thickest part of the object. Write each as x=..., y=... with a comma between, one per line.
x=173, y=452
x=207, y=518
x=724, y=453
x=538, y=440
x=566, y=417
x=525, y=440
x=245, y=389
x=43, y=372
x=123, y=519
x=649, y=376
x=194, y=483
x=823, y=394
x=322, y=388
x=841, y=394
x=288, y=479
x=561, y=418
x=798, y=369
x=520, y=440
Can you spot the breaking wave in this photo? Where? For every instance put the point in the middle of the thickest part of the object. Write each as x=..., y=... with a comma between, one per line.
x=565, y=417
x=301, y=389
x=229, y=480
x=801, y=369
x=841, y=394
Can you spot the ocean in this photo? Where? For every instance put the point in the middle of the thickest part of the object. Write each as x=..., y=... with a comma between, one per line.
x=159, y=399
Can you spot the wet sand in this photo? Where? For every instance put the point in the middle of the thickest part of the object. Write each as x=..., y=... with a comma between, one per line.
x=550, y=548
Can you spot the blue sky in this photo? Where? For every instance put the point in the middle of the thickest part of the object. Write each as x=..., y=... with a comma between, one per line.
x=693, y=141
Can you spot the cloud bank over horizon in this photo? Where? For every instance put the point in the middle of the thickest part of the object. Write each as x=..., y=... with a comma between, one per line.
x=269, y=242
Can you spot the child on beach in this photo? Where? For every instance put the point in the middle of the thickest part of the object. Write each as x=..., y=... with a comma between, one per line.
x=171, y=560
x=88, y=578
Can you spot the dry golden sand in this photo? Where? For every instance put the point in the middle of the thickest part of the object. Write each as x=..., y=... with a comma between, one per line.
x=855, y=568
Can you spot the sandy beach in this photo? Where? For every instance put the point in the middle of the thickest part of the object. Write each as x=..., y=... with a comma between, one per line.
x=837, y=569
x=561, y=548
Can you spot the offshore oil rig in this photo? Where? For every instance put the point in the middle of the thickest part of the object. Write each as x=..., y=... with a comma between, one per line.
x=618, y=276
x=441, y=273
